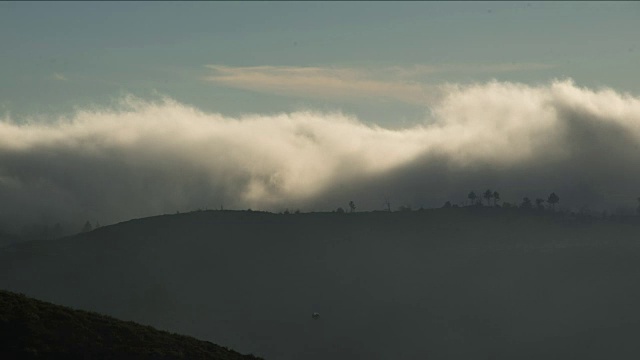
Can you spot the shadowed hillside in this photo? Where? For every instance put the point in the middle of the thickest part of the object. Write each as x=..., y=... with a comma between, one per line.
x=455, y=283
x=35, y=329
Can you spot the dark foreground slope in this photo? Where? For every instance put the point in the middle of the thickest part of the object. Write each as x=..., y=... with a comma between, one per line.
x=35, y=329
x=443, y=284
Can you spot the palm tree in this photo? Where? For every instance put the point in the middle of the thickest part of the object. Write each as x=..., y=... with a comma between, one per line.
x=488, y=195
x=553, y=200
x=496, y=198
x=472, y=196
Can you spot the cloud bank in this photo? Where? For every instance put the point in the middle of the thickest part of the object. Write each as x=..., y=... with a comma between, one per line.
x=144, y=158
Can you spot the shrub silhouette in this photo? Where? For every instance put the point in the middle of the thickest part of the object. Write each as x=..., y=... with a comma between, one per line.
x=526, y=203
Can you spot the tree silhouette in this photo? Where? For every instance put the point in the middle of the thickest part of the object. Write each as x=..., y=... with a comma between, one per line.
x=472, y=196
x=638, y=209
x=352, y=206
x=496, y=198
x=387, y=204
x=87, y=227
x=526, y=203
x=340, y=210
x=488, y=195
x=539, y=202
x=553, y=200
x=447, y=204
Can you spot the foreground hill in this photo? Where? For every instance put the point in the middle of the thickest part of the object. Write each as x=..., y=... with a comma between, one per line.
x=31, y=328
x=455, y=283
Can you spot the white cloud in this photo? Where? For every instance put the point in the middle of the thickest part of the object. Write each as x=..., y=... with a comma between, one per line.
x=147, y=158
x=59, y=76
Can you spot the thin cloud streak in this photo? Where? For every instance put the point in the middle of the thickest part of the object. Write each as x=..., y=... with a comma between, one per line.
x=390, y=83
x=59, y=77
x=320, y=83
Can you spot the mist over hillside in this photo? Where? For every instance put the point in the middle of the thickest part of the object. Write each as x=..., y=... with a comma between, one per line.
x=453, y=283
x=139, y=158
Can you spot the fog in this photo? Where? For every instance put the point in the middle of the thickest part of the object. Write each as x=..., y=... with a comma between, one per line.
x=140, y=158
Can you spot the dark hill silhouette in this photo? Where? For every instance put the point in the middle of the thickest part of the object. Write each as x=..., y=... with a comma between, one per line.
x=33, y=329
x=454, y=283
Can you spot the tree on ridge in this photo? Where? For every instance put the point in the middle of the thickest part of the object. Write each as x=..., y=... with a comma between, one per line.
x=472, y=196
x=496, y=198
x=488, y=195
x=553, y=200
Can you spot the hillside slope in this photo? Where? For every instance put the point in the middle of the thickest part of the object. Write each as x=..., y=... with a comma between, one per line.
x=440, y=284
x=30, y=328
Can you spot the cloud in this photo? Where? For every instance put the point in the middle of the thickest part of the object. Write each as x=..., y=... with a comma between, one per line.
x=388, y=83
x=317, y=82
x=59, y=77
x=143, y=158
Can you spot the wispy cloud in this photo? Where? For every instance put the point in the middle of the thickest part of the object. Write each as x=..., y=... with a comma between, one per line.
x=404, y=84
x=318, y=82
x=59, y=77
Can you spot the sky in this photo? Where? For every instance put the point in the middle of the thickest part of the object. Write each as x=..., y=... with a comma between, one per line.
x=181, y=105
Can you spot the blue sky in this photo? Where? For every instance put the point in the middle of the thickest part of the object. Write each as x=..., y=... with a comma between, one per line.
x=57, y=56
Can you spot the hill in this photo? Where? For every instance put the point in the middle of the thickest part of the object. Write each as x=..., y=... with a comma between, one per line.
x=30, y=328
x=454, y=283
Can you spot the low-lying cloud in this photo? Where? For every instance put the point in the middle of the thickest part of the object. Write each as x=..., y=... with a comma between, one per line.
x=145, y=158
